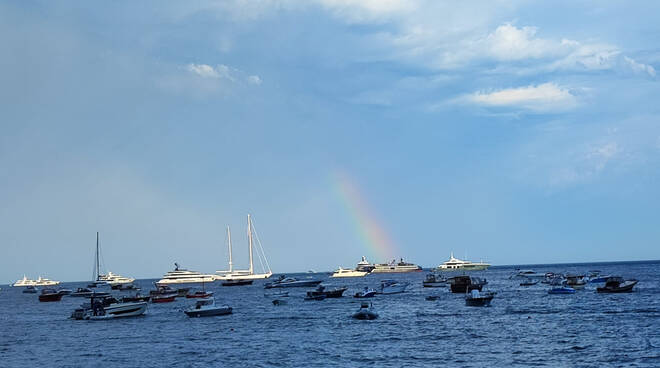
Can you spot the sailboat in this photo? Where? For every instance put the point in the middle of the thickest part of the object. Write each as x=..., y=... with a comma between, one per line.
x=111, y=279
x=236, y=275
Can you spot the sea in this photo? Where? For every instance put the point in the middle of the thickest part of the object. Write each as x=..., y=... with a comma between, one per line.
x=524, y=327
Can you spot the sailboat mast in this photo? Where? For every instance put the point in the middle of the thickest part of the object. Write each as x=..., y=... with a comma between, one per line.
x=97, y=257
x=231, y=264
x=250, y=243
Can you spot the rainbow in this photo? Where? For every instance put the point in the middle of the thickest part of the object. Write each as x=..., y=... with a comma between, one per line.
x=373, y=236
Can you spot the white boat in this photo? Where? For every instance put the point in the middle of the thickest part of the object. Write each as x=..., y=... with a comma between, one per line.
x=455, y=264
x=396, y=267
x=343, y=272
x=363, y=265
x=248, y=274
x=206, y=308
x=530, y=274
x=108, y=308
x=41, y=281
x=392, y=287
x=183, y=276
x=109, y=278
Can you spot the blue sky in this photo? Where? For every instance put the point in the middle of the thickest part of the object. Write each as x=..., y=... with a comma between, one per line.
x=513, y=132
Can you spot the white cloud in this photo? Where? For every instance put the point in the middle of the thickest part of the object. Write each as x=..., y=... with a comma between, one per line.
x=639, y=67
x=254, y=79
x=547, y=97
x=203, y=70
x=510, y=43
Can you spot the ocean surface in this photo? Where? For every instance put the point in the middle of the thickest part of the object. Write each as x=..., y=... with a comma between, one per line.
x=525, y=326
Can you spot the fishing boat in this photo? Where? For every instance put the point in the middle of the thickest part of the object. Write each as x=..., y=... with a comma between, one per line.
x=617, y=284
x=433, y=280
x=248, y=274
x=396, y=267
x=104, y=308
x=327, y=293
x=238, y=282
x=207, y=308
x=455, y=264
x=182, y=276
x=392, y=287
x=464, y=283
x=366, y=312
x=284, y=282
x=364, y=265
x=49, y=295
x=343, y=272
x=476, y=298
x=366, y=293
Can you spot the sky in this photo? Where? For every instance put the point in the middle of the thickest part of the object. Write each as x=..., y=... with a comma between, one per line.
x=513, y=132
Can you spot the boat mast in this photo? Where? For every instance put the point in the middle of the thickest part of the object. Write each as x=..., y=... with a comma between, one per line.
x=97, y=257
x=231, y=264
x=250, y=243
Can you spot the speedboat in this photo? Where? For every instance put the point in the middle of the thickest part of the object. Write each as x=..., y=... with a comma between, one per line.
x=49, y=295
x=364, y=265
x=183, y=276
x=464, y=283
x=327, y=293
x=206, y=308
x=366, y=293
x=102, y=308
x=82, y=292
x=200, y=294
x=366, y=312
x=561, y=290
x=433, y=280
x=455, y=264
x=396, y=267
x=343, y=272
x=576, y=281
x=617, y=285
x=476, y=298
x=528, y=274
x=283, y=282
x=30, y=290
x=392, y=287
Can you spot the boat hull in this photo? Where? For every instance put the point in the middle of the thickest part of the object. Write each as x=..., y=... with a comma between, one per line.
x=478, y=302
x=235, y=282
x=293, y=284
x=627, y=288
x=217, y=311
x=560, y=291
x=50, y=297
x=463, y=268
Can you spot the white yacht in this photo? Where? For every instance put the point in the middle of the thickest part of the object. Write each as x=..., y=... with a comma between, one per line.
x=248, y=274
x=344, y=272
x=183, y=276
x=396, y=267
x=41, y=281
x=364, y=265
x=455, y=264
x=25, y=282
x=113, y=279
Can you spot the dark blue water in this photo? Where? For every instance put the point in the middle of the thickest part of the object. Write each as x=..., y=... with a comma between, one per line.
x=524, y=327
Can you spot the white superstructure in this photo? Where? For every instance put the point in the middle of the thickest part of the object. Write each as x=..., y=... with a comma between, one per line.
x=248, y=274
x=455, y=264
x=41, y=281
x=343, y=272
x=114, y=279
x=183, y=276
x=396, y=267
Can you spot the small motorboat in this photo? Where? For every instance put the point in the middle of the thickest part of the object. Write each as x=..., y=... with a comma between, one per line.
x=124, y=287
x=464, y=283
x=528, y=274
x=200, y=294
x=136, y=298
x=206, y=308
x=576, y=282
x=279, y=302
x=232, y=282
x=102, y=308
x=433, y=280
x=327, y=293
x=392, y=287
x=617, y=285
x=82, y=292
x=366, y=311
x=164, y=290
x=476, y=298
x=529, y=282
x=561, y=290
x=598, y=279
x=30, y=290
x=50, y=295
x=366, y=293
x=283, y=282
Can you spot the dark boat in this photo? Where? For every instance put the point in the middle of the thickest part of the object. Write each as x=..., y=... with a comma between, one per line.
x=200, y=294
x=366, y=312
x=475, y=298
x=617, y=285
x=207, y=308
x=124, y=287
x=165, y=291
x=331, y=293
x=136, y=298
x=314, y=297
x=237, y=282
x=82, y=292
x=279, y=302
x=464, y=283
x=163, y=298
x=50, y=295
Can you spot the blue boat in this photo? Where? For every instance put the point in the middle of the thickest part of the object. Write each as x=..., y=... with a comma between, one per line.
x=561, y=290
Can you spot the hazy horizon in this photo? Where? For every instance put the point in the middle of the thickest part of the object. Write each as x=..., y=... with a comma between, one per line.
x=510, y=132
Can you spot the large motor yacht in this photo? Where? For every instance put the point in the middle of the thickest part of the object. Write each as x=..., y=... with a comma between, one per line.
x=396, y=267
x=343, y=272
x=114, y=279
x=455, y=264
x=364, y=265
x=182, y=276
x=41, y=281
